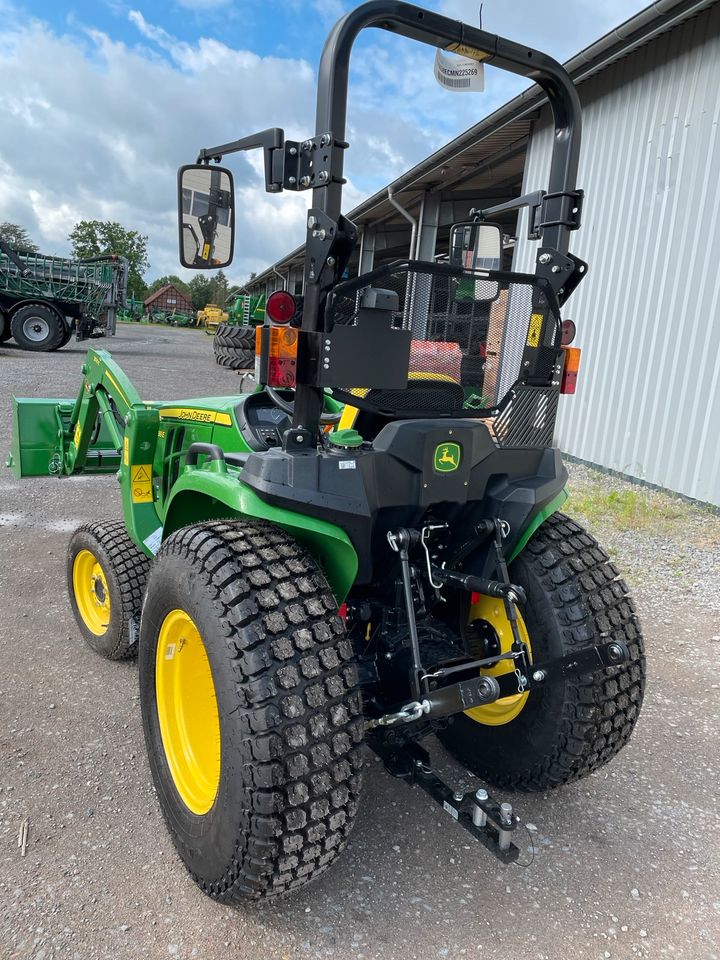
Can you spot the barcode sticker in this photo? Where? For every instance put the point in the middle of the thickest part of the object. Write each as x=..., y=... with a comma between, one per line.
x=458, y=73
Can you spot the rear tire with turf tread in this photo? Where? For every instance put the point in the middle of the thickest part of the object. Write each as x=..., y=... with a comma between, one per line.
x=289, y=707
x=566, y=730
x=126, y=569
x=50, y=327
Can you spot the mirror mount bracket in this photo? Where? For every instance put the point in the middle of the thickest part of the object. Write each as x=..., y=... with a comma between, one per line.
x=312, y=163
x=271, y=141
x=563, y=208
x=289, y=164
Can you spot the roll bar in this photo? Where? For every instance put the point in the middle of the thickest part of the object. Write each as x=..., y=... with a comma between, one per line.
x=438, y=31
x=317, y=164
x=322, y=264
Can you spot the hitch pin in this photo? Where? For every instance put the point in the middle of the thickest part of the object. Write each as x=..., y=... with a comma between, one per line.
x=479, y=817
x=506, y=819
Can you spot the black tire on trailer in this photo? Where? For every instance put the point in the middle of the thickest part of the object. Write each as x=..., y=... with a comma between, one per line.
x=5, y=332
x=566, y=730
x=106, y=576
x=38, y=327
x=66, y=336
x=258, y=769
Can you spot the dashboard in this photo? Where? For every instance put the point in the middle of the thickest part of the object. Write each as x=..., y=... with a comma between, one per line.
x=262, y=423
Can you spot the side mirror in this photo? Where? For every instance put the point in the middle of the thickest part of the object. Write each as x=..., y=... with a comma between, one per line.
x=476, y=246
x=206, y=216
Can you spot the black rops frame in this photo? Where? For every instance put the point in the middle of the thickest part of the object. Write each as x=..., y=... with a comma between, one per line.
x=318, y=163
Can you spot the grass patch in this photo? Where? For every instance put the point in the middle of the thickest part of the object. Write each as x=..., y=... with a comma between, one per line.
x=641, y=509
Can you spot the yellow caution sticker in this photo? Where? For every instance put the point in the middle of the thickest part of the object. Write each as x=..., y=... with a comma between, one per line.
x=126, y=451
x=76, y=438
x=536, y=323
x=141, y=483
x=198, y=416
x=206, y=252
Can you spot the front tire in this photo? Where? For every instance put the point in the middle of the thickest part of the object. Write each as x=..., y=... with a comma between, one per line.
x=566, y=730
x=106, y=576
x=260, y=795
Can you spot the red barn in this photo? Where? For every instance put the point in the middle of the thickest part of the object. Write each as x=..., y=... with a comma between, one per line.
x=169, y=299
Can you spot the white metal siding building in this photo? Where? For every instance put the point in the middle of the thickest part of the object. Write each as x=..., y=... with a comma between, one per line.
x=648, y=313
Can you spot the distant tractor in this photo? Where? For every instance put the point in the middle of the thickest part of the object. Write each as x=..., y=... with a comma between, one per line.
x=44, y=299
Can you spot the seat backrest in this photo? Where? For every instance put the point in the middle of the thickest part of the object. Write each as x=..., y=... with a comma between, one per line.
x=422, y=398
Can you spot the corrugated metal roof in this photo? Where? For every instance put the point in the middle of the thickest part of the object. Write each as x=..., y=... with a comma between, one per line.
x=511, y=123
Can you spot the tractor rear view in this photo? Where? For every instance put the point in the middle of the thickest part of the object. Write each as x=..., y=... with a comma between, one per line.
x=44, y=299
x=368, y=549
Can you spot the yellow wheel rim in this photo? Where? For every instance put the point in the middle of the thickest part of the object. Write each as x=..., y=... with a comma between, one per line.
x=91, y=592
x=507, y=709
x=188, y=711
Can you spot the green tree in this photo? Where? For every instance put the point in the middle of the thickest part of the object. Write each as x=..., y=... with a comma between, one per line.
x=200, y=291
x=17, y=237
x=95, y=238
x=219, y=288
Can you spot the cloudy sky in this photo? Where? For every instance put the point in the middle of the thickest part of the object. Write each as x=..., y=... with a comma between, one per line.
x=103, y=99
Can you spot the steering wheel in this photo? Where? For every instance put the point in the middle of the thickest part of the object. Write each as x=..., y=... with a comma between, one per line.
x=289, y=407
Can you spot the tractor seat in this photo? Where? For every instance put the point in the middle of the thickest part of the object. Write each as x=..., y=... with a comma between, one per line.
x=368, y=411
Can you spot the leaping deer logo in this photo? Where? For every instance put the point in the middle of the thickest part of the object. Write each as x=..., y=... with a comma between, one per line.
x=447, y=457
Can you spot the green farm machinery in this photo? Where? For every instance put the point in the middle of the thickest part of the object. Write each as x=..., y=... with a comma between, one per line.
x=369, y=548
x=44, y=299
x=132, y=312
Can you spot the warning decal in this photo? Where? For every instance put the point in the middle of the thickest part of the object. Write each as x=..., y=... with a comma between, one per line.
x=141, y=483
x=535, y=329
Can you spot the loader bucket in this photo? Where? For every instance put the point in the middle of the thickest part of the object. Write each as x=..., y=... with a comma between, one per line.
x=37, y=444
x=41, y=435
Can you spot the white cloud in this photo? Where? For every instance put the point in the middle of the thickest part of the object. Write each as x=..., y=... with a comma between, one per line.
x=95, y=128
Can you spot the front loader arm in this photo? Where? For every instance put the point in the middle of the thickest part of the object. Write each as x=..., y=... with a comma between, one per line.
x=107, y=392
x=107, y=429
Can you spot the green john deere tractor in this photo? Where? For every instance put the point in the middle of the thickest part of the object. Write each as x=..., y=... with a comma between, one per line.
x=367, y=549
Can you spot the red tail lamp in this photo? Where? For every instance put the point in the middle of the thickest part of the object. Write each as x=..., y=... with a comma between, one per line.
x=281, y=306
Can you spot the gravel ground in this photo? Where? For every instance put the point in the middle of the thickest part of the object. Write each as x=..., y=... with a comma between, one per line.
x=626, y=863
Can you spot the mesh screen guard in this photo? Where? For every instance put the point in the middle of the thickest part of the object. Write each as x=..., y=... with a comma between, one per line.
x=482, y=343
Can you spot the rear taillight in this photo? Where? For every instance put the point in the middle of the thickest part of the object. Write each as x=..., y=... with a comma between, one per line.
x=570, y=369
x=276, y=356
